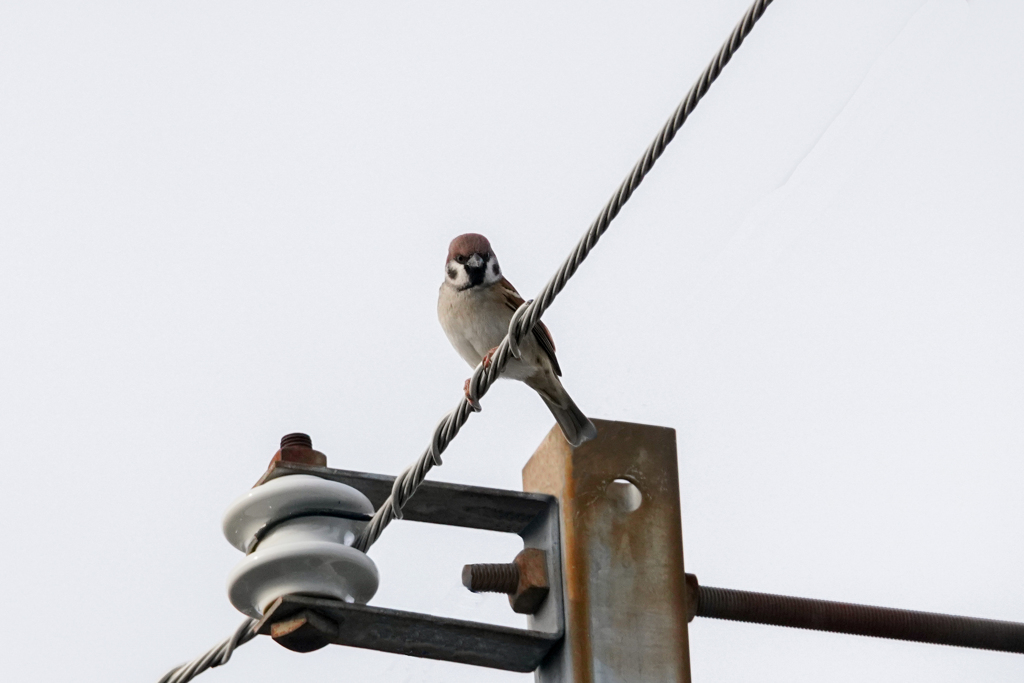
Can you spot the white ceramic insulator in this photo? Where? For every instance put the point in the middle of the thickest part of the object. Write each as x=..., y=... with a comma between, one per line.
x=309, y=555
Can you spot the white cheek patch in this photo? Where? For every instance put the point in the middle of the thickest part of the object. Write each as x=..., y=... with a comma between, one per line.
x=456, y=274
x=493, y=272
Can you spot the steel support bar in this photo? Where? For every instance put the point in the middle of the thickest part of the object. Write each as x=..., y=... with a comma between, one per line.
x=473, y=507
x=622, y=555
x=861, y=620
x=418, y=635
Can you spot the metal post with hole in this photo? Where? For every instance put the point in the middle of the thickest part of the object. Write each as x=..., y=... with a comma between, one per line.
x=622, y=555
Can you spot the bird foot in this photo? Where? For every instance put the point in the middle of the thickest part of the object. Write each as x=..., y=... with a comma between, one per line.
x=489, y=357
x=472, y=402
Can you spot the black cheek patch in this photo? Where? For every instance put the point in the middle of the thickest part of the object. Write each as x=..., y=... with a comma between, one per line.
x=452, y=273
x=494, y=268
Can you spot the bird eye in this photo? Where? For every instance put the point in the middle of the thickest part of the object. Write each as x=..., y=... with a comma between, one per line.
x=461, y=259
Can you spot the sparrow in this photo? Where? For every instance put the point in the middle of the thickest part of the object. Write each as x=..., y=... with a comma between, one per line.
x=475, y=305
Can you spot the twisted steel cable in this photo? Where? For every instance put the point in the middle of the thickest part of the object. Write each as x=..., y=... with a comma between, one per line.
x=522, y=323
x=524, y=319
x=216, y=656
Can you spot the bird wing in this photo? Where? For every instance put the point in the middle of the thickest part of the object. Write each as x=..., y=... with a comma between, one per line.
x=540, y=331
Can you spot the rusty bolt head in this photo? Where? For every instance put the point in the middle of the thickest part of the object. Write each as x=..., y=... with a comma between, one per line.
x=525, y=579
x=298, y=448
x=304, y=632
x=533, y=581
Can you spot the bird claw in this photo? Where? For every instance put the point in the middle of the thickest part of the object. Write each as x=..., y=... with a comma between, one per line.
x=489, y=357
x=473, y=403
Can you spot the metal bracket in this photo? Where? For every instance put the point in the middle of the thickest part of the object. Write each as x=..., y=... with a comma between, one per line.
x=421, y=635
x=532, y=516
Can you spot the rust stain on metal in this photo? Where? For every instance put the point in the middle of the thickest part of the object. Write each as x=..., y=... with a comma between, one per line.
x=623, y=562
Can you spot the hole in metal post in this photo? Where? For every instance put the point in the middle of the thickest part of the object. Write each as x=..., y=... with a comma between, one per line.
x=625, y=495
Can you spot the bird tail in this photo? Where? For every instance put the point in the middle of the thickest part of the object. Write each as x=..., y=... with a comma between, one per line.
x=576, y=427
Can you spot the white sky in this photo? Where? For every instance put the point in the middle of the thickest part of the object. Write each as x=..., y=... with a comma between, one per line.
x=221, y=222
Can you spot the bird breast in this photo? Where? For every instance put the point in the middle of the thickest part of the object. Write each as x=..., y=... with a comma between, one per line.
x=475, y=319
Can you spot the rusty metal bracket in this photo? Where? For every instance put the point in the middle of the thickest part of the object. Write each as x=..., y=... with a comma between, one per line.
x=304, y=624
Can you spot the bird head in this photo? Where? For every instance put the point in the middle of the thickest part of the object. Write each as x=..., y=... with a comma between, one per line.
x=471, y=262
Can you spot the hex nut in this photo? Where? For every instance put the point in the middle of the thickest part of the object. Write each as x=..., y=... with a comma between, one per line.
x=533, y=581
x=304, y=632
x=300, y=455
x=297, y=448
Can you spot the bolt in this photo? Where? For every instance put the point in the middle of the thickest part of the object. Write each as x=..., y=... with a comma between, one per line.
x=297, y=448
x=304, y=632
x=692, y=595
x=524, y=580
x=296, y=439
x=491, y=578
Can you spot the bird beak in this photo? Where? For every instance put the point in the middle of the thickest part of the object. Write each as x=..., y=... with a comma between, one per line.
x=475, y=261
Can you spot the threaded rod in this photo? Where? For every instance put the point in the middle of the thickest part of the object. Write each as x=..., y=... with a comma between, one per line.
x=296, y=439
x=862, y=620
x=491, y=578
